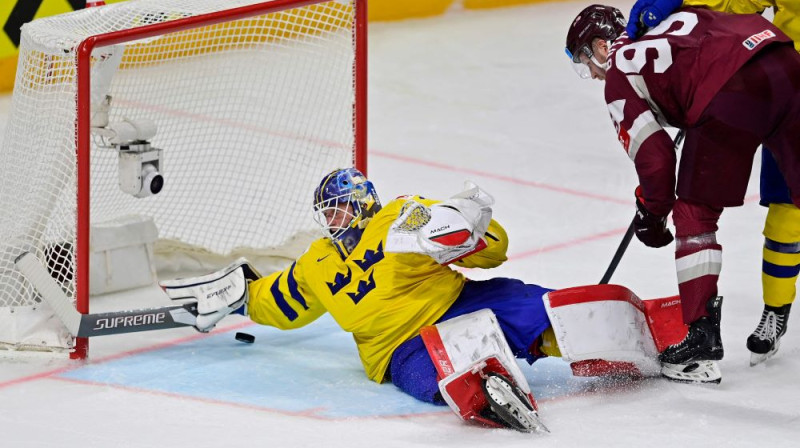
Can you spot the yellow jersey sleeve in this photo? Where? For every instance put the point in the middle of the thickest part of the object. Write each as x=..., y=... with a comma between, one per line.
x=732, y=6
x=787, y=12
x=283, y=299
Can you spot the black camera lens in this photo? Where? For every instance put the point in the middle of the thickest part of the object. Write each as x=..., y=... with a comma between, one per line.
x=157, y=184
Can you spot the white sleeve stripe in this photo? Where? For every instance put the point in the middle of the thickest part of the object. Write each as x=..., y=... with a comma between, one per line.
x=643, y=127
x=696, y=265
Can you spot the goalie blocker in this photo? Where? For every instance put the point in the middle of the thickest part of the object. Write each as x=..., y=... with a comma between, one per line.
x=217, y=294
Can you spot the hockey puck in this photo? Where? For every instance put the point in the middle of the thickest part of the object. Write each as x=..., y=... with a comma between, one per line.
x=245, y=337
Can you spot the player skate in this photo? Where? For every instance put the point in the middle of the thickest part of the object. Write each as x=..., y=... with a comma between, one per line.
x=693, y=360
x=766, y=339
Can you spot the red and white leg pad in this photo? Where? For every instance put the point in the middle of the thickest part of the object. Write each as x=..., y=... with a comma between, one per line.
x=465, y=350
x=607, y=330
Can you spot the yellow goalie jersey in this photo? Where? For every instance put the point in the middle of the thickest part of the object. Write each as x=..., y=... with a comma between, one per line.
x=382, y=298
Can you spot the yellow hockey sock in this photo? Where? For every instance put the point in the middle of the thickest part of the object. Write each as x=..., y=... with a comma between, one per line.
x=781, y=253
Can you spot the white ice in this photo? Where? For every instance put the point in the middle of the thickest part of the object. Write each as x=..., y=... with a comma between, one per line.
x=481, y=95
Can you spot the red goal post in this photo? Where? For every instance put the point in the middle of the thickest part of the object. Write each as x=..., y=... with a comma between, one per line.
x=252, y=102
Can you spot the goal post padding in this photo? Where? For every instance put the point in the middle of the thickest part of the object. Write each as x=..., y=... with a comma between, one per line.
x=253, y=102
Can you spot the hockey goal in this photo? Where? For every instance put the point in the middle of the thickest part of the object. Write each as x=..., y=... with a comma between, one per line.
x=232, y=110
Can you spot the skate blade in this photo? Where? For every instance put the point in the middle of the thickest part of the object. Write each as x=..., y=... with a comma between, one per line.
x=527, y=419
x=536, y=423
x=758, y=358
x=699, y=372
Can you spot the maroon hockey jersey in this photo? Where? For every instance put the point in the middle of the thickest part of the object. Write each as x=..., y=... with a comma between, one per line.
x=668, y=77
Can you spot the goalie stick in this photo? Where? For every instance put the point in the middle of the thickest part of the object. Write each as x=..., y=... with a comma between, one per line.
x=100, y=324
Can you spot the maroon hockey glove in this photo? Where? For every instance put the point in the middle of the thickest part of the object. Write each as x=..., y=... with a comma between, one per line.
x=649, y=228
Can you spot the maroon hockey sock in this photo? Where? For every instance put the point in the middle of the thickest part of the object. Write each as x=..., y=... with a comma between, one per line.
x=698, y=261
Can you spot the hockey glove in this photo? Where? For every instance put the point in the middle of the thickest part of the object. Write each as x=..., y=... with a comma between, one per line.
x=446, y=231
x=217, y=294
x=649, y=13
x=649, y=228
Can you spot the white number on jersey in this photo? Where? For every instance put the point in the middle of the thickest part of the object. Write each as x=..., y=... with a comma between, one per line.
x=663, y=58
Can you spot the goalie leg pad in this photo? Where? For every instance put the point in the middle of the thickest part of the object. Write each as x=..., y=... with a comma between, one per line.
x=486, y=395
x=601, y=367
x=605, y=323
x=468, y=351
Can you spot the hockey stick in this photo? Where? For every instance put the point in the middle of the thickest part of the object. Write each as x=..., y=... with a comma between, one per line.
x=626, y=239
x=623, y=245
x=100, y=324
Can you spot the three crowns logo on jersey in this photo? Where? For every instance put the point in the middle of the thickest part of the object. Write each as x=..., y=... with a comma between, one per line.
x=340, y=280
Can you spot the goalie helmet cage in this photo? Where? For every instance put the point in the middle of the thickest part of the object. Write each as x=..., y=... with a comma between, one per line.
x=253, y=101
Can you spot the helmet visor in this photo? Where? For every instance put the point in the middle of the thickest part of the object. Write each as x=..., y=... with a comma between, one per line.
x=582, y=60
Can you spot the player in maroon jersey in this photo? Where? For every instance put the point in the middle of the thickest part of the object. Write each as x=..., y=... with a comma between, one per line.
x=732, y=82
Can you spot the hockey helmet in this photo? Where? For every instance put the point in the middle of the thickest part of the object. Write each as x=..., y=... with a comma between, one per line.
x=605, y=22
x=344, y=202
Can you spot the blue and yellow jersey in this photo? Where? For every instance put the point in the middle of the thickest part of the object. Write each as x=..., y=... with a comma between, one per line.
x=787, y=12
x=382, y=298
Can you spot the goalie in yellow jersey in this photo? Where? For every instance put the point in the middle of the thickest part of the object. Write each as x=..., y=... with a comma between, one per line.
x=383, y=274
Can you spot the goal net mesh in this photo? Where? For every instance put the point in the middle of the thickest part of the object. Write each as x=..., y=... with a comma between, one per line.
x=250, y=114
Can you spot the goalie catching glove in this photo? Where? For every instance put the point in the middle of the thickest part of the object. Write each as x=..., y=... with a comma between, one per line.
x=447, y=231
x=217, y=294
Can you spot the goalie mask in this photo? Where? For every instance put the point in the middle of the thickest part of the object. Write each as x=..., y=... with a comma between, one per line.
x=604, y=22
x=344, y=202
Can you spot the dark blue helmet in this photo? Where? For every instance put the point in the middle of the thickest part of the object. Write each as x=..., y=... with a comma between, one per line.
x=344, y=202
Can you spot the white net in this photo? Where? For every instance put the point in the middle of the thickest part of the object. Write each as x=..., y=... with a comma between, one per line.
x=250, y=114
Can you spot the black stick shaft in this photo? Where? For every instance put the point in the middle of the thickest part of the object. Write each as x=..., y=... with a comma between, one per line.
x=623, y=245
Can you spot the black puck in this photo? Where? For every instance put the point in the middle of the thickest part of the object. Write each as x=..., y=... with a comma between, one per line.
x=245, y=337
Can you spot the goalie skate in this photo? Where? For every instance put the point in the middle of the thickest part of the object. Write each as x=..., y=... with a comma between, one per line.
x=509, y=406
x=702, y=372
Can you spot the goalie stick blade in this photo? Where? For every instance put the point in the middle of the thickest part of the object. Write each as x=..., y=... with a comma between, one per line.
x=146, y=319
x=35, y=272
x=100, y=324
